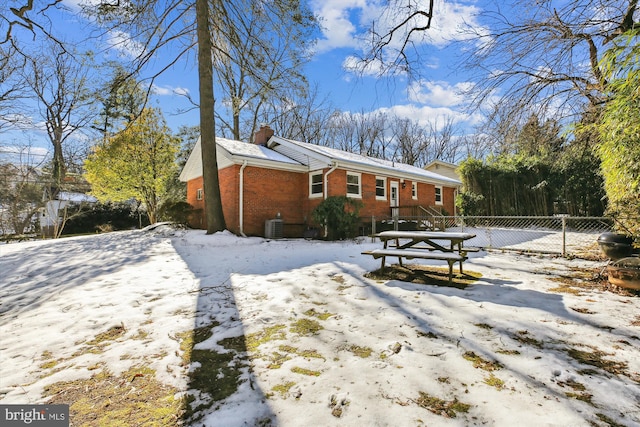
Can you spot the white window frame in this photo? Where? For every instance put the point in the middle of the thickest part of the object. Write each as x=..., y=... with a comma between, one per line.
x=384, y=188
x=199, y=194
x=359, y=176
x=438, y=195
x=313, y=195
x=414, y=190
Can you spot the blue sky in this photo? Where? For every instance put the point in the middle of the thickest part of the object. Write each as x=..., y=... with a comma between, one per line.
x=435, y=97
x=432, y=99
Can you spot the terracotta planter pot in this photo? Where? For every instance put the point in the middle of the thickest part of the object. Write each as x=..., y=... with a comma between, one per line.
x=625, y=273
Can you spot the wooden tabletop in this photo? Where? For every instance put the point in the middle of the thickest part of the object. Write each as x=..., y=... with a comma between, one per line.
x=435, y=235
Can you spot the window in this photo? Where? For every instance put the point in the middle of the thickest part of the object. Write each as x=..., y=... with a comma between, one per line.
x=414, y=190
x=353, y=184
x=381, y=188
x=199, y=194
x=438, y=195
x=316, y=184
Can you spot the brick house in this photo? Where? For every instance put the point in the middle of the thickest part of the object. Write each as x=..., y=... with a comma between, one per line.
x=277, y=177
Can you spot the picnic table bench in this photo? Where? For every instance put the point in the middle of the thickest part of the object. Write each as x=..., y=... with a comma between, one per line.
x=424, y=245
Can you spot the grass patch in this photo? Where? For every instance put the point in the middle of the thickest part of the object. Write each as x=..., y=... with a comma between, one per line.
x=447, y=408
x=362, y=352
x=322, y=316
x=582, y=310
x=609, y=421
x=584, y=397
x=483, y=326
x=253, y=341
x=141, y=335
x=596, y=358
x=424, y=274
x=494, y=381
x=306, y=327
x=307, y=354
x=508, y=352
x=214, y=376
x=100, y=341
x=564, y=288
x=283, y=389
x=524, y=338
x=135, y=397
x=190, y=338
x=429, y=334
x=303, y=371
x=338, y=278
x=49, y=364
x=479, y=362
x=110, y=334
x=276, y=360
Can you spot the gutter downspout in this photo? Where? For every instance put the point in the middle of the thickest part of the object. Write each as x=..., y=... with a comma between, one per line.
x=326, y=180
x=326, y=190
x=241, y=199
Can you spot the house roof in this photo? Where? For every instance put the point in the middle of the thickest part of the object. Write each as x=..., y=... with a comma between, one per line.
x=230, y=152
x=327, y=156
x=282, y=153
x=443, y=168
x=442, y=163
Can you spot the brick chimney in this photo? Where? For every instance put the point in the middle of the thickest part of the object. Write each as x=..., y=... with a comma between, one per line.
x=262, y=135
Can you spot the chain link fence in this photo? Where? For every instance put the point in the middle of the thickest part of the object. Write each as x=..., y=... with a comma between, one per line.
x=561, y=235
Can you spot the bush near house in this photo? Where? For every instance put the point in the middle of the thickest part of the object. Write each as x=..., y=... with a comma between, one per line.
x=105, y=217
x=175, y=211
x=340, y=215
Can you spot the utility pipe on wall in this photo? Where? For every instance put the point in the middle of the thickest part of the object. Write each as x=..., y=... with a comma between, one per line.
x=326, y=179
x=241, y=199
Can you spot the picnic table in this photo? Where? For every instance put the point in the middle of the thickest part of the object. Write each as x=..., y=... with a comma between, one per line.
x=436, y=245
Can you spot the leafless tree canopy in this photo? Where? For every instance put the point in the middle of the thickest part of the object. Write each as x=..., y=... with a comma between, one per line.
x=391, y=43
x=59, y=84
x=543, y=57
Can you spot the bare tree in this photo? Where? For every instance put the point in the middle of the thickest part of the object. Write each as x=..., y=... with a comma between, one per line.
x=443, y=141
x=13, y=89
x=20, y=188
x=28, y=17
x=60, y=86
x=411, y=141
x=393, y=39
x=257, y=58
x=300, y=116
x=155, y=26
x=544, y=57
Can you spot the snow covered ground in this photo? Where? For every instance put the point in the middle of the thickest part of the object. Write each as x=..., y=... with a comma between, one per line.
x=504, y=351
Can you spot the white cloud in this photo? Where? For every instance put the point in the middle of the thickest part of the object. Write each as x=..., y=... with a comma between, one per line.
x=342, y=21
x=170, y=90
x=440, y=93
x=345, y=22
x=122, y=43
x=436, y=116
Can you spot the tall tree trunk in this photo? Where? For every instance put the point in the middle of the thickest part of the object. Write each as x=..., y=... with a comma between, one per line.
x=212, y=198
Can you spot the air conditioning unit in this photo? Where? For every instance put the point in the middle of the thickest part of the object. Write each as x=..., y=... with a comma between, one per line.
x=273, y=229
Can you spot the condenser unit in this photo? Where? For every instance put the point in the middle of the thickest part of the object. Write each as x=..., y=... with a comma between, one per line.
x=273, y=229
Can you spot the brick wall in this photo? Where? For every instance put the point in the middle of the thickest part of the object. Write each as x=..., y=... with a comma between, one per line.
x=268, y=192
x=196, y=220
x=229, y=184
